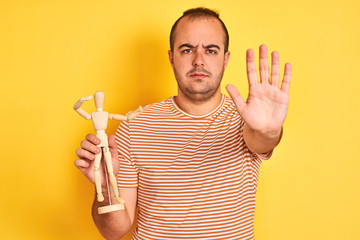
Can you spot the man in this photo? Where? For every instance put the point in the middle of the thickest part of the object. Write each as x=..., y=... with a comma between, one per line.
x=190, y=163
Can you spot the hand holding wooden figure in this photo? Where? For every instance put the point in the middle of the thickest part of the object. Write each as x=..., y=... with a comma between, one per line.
x=94, y=148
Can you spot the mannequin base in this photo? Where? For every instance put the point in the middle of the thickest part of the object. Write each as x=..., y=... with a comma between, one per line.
x=110, y=208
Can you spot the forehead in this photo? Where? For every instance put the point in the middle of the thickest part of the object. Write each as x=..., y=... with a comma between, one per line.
x=199, y=30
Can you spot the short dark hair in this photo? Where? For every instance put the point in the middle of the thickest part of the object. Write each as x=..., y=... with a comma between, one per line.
x=199, y=13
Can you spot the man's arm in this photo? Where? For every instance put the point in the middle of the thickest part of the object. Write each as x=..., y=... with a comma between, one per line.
x=112, y=225
x=266, y=107
x=259, y=142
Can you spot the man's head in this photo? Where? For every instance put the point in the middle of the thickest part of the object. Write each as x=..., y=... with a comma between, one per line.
x=199, y=54
x=196, y=13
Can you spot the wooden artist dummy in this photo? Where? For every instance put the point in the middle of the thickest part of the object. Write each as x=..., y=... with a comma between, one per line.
x=100, y=120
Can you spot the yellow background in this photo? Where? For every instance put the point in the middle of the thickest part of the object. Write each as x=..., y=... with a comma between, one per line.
x=54, y=52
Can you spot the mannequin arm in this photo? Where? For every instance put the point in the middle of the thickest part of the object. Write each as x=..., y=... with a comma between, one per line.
x=117, y=117
x=129, y=116
x=82, y=112
x=133, y=114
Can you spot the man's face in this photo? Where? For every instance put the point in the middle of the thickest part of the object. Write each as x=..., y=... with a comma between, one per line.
x=198, y=58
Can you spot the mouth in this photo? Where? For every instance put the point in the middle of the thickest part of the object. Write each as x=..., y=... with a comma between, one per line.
x=198, y=75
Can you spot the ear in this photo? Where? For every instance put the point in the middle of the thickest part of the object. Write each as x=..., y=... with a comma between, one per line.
x=171, y=58
x=226, y=58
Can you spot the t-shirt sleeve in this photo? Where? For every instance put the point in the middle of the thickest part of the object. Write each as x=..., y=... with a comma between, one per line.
x=128, y=173
x=262, y=156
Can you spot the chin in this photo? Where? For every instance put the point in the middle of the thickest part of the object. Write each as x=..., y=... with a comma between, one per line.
x=199, y=96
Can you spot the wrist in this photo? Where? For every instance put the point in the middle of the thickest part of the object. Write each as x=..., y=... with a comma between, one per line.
x=274, y=135
x=261, y=141
x=265, y=133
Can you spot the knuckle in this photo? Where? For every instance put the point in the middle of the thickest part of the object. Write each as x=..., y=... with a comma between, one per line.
x=275, y=74
x=264, y=68
x=89, y=155
x=83, y=143
x=87, y=136
x=77, y=152
x=76, y=163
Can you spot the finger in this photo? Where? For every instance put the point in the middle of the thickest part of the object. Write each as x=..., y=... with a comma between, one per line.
x=93, y=139
x=250, y=67
x=84, y=154
x=236, y=97
x=81, y=163
x=263, y=64
x=86, y=145
x=285, y=86
x=275, y=69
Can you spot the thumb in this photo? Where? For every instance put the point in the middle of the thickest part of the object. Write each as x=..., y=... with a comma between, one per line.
x=112, y=143
x=236, y=97
x=113, y=147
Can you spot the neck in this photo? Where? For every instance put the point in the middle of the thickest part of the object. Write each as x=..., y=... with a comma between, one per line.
x=198, y=108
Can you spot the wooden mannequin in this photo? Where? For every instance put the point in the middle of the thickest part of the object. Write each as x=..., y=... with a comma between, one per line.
x=100, y=120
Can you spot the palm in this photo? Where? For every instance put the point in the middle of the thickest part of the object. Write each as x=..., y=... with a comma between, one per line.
x=266, y=106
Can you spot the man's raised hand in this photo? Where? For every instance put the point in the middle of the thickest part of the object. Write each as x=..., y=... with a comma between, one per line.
x=266, y=107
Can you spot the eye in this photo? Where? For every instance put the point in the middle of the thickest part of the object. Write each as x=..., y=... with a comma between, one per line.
x=211, y=51
x=188, y=50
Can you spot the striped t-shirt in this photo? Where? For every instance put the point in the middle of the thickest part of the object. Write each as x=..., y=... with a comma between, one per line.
x=195, y=176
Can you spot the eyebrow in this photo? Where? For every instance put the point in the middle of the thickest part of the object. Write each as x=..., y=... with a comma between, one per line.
x=187, y=45
x=191, y=46
x=212, y=46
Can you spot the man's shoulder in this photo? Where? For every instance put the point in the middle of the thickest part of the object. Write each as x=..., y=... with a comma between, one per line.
x=158, y=105
x=161, y=108
x=229, y=104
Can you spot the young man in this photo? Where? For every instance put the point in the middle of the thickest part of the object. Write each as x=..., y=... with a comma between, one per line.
x=190, y=163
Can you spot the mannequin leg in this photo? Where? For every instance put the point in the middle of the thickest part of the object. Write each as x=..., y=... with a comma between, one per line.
x=112, y=178
x=97, y=176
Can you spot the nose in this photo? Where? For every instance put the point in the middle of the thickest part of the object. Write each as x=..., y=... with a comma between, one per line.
x=198, y=59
